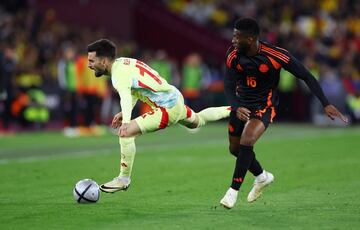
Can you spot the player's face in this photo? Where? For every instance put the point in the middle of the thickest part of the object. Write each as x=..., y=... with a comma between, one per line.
x=242, y=41
x=97, y=64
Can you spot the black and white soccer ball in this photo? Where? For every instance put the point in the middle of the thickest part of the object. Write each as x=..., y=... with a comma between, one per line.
x=86, y=191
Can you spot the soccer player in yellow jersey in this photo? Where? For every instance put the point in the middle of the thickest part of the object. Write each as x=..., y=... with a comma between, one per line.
x=134, y=80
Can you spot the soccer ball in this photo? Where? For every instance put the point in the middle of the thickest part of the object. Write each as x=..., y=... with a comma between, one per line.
x=86, y=191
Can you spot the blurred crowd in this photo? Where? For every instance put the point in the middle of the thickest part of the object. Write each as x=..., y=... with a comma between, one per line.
x=44, y=76
x=324, y=34
x=45, y=82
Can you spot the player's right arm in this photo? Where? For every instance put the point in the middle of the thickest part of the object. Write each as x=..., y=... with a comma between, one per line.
x=230, y=92
x=230, y=86
x=230, y=79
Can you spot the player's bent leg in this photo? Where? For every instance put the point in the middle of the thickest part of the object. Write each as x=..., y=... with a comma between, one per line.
x=192, y=123
x=156, y=119
x=196, y=120
x=252, y=132
x=213, y=114
x=191, y=120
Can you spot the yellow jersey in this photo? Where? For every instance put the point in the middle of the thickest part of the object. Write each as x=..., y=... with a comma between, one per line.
x=135, y=80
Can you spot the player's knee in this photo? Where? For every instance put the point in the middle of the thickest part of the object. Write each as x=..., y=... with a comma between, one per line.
x=194, y=123
x=234, y=150
x=191, y=125
x=126, y=134
x=132, y=131
x=248, y=141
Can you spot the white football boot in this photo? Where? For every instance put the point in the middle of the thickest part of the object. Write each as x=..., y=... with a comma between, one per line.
x=229, y=200
x=261, y=181
x=117, y=184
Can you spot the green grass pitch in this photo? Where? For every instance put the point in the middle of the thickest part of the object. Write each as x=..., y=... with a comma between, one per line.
x=179, y=178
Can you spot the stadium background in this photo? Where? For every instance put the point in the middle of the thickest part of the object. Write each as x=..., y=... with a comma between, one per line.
x=45, y=82
x=179, y=177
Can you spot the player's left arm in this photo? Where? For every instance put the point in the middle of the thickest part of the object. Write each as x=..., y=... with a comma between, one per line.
x=295, y=67
x=230, y=88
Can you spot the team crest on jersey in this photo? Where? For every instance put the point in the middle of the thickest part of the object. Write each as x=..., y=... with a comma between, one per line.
x=263, y=68
x=126, y=62
x=238, y=67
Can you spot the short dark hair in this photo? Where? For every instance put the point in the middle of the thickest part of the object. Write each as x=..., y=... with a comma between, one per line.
x=248, y=26
x=103, y=48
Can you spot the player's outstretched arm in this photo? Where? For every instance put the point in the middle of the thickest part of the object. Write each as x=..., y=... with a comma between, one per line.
x=299, y=71
x=333, y=112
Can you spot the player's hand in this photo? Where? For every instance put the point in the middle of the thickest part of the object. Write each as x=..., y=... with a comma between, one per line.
x=243, y=114
x=117, y=121
x=332, y=112
x=123, y=129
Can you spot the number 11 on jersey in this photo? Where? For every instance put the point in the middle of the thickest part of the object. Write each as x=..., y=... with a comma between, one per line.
x=143, y=68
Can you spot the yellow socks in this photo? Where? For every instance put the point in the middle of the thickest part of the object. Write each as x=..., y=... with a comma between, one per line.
x=128, y=149
x=213, y=114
